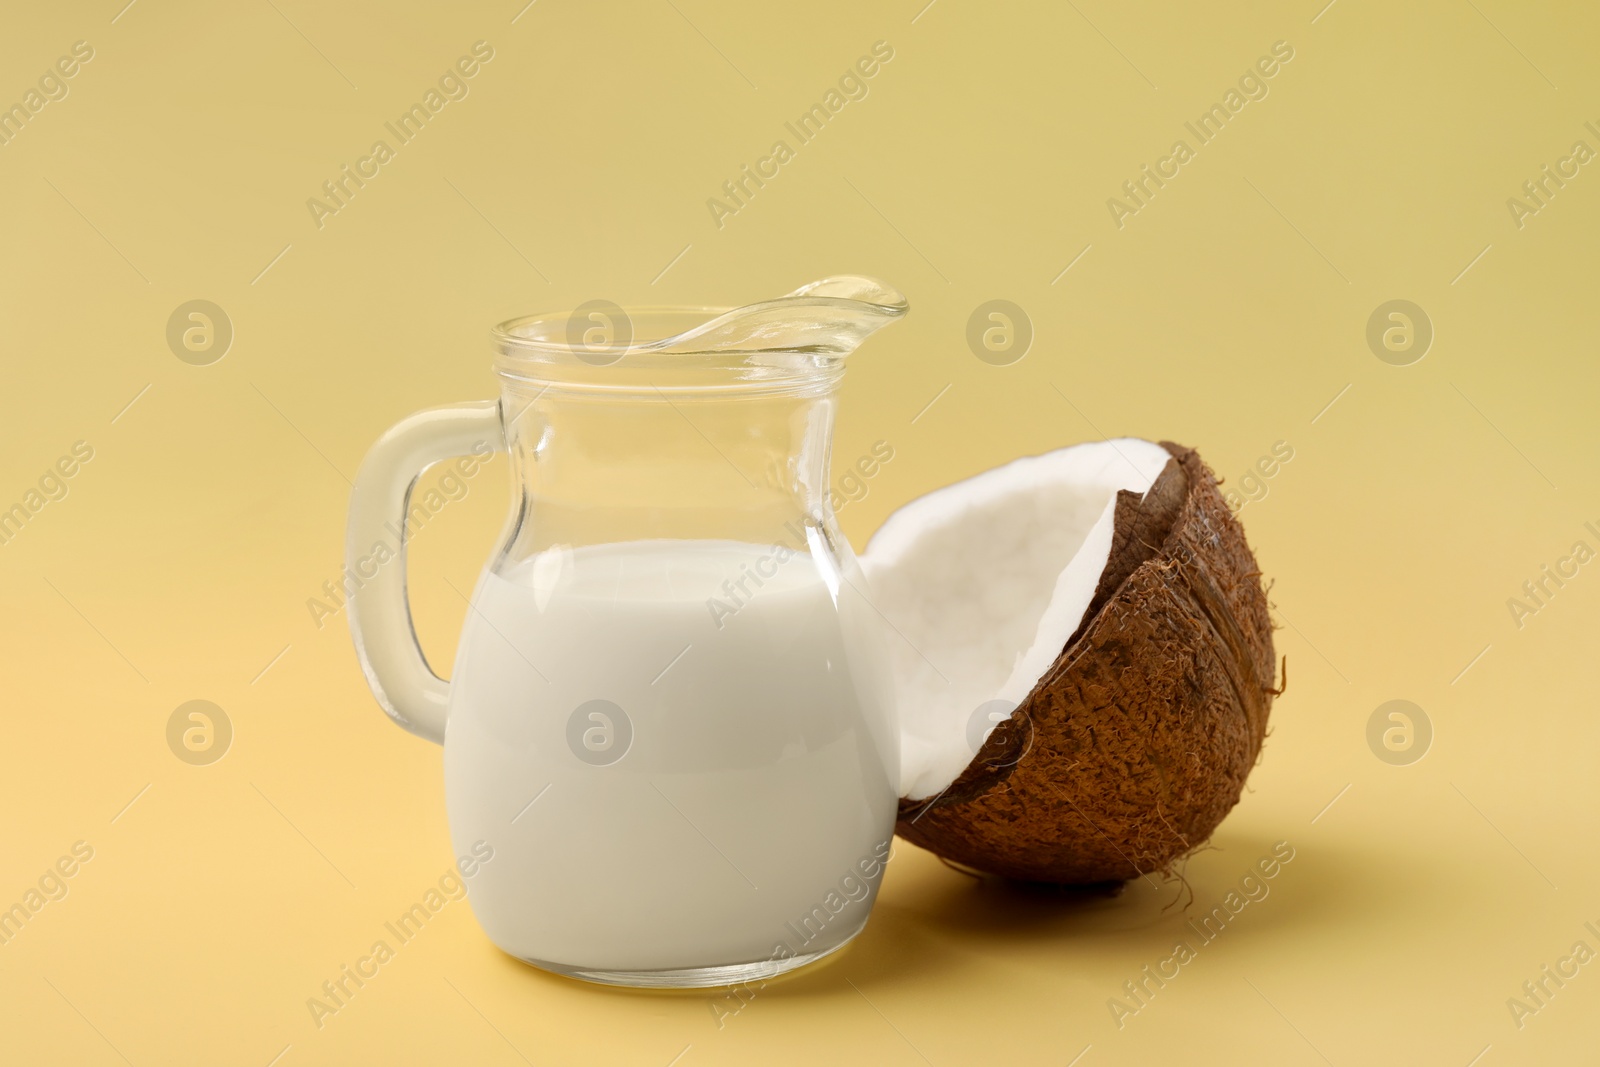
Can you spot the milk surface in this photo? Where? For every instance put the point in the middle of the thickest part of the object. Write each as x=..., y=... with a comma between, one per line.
x=662, y=791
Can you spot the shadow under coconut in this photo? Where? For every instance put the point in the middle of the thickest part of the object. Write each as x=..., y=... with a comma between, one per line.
x=938, y=918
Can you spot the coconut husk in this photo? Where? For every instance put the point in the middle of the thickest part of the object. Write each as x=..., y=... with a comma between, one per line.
x=1137, y=741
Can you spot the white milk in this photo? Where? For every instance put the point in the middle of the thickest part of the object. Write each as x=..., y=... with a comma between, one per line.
x=749, y=815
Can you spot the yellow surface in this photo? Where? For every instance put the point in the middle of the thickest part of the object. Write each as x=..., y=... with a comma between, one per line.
x=1227, y=313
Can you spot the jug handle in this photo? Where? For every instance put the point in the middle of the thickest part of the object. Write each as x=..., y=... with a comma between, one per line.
x=380, y=609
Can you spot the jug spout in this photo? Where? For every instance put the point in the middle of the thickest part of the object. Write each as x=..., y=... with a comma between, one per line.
x=830, y=315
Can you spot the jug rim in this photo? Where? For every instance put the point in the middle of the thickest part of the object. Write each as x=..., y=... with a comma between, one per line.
x=797, y=339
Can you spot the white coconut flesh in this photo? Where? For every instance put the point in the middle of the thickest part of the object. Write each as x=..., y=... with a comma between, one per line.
x=985, y=580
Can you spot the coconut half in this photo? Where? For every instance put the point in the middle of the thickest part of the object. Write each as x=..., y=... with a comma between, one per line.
x=1083, y=661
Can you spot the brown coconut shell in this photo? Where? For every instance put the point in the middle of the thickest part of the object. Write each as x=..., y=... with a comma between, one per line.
x=1137, y=741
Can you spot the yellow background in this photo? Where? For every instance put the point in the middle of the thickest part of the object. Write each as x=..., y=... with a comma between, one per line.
x=1226, y=315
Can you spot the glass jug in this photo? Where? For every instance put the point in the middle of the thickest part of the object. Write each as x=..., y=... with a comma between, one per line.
x=669, y=737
